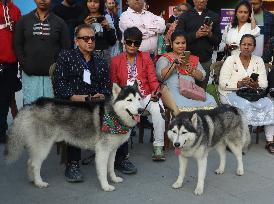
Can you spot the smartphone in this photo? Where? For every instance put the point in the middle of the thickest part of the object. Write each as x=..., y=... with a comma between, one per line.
x=254, y=76
x=100, y=19
x=185, y=57
x=207, y=21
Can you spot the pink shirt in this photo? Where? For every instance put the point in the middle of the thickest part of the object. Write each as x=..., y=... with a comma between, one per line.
x=148, y=23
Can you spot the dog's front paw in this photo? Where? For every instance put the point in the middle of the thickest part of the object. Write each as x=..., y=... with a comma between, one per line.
x=219, y=171
x=41, y=184
x=177, y=184
x=117, y=179
x=240, y=172
x=199, y=190
x=108, y=188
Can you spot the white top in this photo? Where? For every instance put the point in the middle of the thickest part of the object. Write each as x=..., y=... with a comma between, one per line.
x=233, y=71
x=233, y=35
x=148, y=23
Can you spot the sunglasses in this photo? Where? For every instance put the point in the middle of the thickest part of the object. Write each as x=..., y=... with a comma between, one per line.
x=135, y=43
x=87, y=38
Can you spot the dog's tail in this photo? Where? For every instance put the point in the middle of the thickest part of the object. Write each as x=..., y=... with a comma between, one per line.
x=15, y=144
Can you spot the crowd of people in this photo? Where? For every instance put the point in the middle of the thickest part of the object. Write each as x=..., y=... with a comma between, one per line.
x=92, y=47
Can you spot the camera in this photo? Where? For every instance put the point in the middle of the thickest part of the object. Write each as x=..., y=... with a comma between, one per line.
x=254, y=76
x=207, y=21
x=100, y=19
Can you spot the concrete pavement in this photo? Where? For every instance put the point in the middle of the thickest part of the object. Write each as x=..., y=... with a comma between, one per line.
x=152, y=183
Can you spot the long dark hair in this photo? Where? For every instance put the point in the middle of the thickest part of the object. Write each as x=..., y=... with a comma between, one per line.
x=245, y=3
x=101, y=9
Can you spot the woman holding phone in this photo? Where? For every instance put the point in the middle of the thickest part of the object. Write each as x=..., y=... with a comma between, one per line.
x=105, y=37
x=243, y=23
x=186, y=67
x=247, y=70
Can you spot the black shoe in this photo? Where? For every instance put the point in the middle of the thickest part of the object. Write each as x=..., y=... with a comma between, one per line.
x=126, y=167
x=73, y=173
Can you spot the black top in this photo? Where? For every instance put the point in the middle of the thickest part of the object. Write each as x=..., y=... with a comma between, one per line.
x=190, y=22
x=70, y=15
x=106, y=40
x=68, y=76
x=115, y=19
x=172, y=19
x=38, y=43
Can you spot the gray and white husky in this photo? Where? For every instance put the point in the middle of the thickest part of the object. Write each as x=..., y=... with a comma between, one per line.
x=38, y=126
x=194, y=134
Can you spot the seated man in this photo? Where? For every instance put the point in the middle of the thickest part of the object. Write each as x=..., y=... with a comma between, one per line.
x=134, y=65
x=79, y=76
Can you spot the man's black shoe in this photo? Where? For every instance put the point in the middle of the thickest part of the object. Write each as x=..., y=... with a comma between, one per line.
x=126, y=167
x=73, y=173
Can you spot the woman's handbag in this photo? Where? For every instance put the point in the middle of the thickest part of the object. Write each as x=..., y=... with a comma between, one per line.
x=190, y=90
x=251, y=94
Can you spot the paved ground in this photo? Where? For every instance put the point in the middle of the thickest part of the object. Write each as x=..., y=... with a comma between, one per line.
x=152, y=183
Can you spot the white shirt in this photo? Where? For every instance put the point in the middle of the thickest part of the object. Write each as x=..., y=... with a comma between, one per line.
x=148, y=23
x=233, y=71
x=232, y=35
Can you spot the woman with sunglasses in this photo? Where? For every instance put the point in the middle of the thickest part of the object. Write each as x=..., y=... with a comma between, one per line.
x=133, y=65
x=192, y=70
x=103, y=26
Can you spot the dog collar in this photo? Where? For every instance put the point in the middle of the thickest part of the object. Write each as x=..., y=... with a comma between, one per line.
x=112, y=124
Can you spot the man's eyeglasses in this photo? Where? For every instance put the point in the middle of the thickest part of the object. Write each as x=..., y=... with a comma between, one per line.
x=87, y=38
x=135, y=43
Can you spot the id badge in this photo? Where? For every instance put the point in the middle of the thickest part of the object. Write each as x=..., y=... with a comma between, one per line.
x=86, y=77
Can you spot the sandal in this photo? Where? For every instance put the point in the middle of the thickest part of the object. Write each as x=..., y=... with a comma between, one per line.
x=270, y=147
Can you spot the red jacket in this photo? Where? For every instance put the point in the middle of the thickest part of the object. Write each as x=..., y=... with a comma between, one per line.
x=145, y=69
x=7, y=54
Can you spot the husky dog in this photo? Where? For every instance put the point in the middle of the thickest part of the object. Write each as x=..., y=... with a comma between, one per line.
x=38, y=126
x=194, y=133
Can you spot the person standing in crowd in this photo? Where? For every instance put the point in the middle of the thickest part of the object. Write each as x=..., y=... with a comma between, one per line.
x=110, y=10
x=148, y=23
x=265, y=20
x=174, y=16
x=202, y=35
x=39, y=37
x=103, y=26
x=80, y=76
x=9, y=16
x=70, y=12
x=133, y=65
x=243, y=23
x=182, y=8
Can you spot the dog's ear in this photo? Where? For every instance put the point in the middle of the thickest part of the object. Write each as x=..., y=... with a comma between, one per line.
x=116, y=89
x=194, y=120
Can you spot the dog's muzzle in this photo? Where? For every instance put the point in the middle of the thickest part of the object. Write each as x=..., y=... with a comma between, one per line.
x=137, y=117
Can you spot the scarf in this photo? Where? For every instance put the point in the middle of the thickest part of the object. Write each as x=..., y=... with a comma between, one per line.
x=112, y=124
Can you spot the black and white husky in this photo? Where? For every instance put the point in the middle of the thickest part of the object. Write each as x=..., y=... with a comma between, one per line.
x=38, y=126
x=194, y=134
